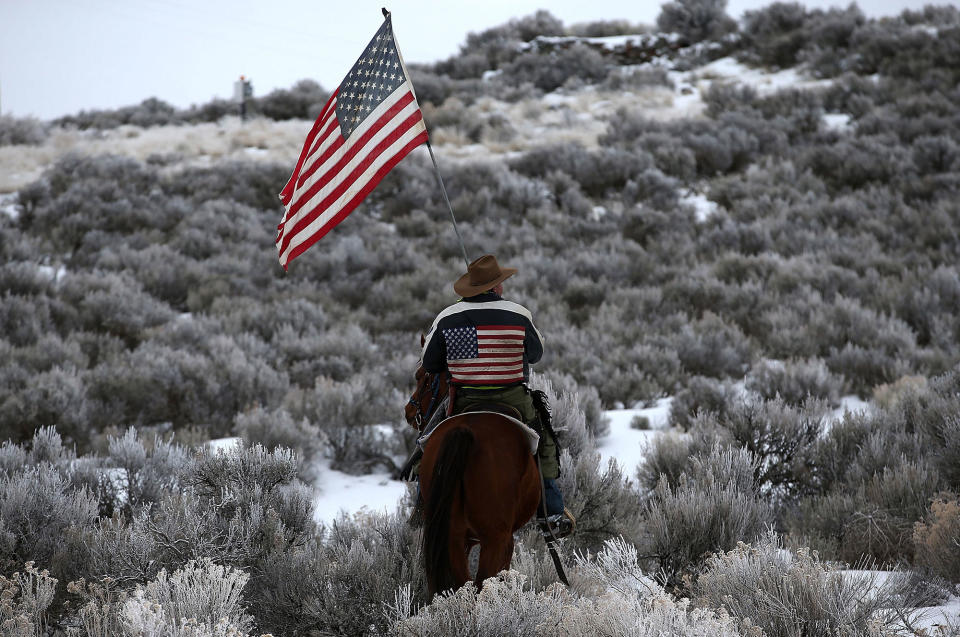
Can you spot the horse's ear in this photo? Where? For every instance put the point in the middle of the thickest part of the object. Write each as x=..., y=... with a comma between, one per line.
x=423, y=339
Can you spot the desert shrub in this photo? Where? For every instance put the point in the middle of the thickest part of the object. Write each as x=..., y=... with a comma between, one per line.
x=140, y=473
x=365, y=561
x=714, y=505
x=586, y=398
x=787, y=594
x=52, y=398
x=605, y=28
x=37, y=506
x=277, y=428
x=873, y=520
x=795, y=381
x=350, y=415
x=696, y=20
x=250, y=183
x=774, y=35
x=781, y=438
x=26, y=597
x=201, y=599
x=551, y=71
x=711, y=347
x=937, y=537
x=304, y=100
x=602, y=500
x=22, y=131
x=666, y=458
x=701, y=395
x=507, y=605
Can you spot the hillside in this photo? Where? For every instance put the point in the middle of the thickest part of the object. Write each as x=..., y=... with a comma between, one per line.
x=754, y=218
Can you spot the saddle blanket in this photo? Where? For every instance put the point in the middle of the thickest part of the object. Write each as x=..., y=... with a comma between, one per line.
x=533, y=438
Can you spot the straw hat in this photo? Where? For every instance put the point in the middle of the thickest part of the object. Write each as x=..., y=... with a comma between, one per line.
x=483, y=274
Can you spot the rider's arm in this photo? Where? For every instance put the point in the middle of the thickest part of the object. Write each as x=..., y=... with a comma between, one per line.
x=434, y=351
x=533, y=344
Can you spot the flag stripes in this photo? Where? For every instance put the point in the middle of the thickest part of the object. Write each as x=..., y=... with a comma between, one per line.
x=486, y=354
x=368, y=125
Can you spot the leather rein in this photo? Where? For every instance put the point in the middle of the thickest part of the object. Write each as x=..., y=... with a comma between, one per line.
x=422, y=416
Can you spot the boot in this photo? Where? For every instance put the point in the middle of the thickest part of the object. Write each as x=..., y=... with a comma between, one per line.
x=561, y=525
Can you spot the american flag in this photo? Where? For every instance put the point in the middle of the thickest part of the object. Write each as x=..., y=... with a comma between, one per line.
x=486, y=354
x=369, y=124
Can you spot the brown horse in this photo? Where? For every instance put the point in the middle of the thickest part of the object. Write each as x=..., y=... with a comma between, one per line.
x=479, y=484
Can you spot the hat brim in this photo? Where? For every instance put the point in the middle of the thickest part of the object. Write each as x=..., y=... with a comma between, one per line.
x=464, y=289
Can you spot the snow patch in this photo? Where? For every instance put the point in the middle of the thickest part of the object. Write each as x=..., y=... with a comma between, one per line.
x=340, y=492
x=703, y=207
x=224, y=445
x=849, y=404
x=8, y=205
x=51, y=273
x=836, y=121
x=626, y=445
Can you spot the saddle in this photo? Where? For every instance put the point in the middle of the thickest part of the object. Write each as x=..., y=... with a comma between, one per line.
x=499, y=408
x=533, y=438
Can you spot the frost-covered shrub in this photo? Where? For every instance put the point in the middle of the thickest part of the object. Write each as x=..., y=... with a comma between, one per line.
x=140, y=472
x=507, y=606
x=37, y=506
x=713, y=507
x=780, y=592
x=202, y=599
x=603, y=500
x=277, y=428
x=795, y=381
x=666, y=458
x=567, y=417
x=874, y=519
x=696, y=20
x=304, y=100
x=701, y=395
x=587, y=401
x=351, y=417
x=22, y=131
x=25, y=599
x=551, y=71
x=781, y=438
x=774, y=35
x=937, y=537
x=712, y=347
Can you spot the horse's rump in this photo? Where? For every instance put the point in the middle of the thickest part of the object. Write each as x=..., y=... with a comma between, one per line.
x=480, y=484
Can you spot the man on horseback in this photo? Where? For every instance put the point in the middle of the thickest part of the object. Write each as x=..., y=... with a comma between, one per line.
x=486, y=345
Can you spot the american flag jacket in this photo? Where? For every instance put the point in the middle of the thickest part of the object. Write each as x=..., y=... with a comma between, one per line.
x=483, y=341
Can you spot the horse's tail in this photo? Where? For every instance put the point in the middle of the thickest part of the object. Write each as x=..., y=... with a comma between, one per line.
x=446, y=484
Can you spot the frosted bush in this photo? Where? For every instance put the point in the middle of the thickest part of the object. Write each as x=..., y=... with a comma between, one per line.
x=38, y=505
x=713, y=507
x=277, y=428
x=701, y=395
x=202, y=599
x=602, y=499
x=139, y=475
x=506, y=606
x=795, y=381
x=24, y=600
x=792, y=594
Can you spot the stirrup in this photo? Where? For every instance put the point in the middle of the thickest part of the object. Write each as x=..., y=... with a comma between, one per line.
x=562, y=525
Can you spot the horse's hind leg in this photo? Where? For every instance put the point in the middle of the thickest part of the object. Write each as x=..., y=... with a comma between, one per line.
x=495, y=556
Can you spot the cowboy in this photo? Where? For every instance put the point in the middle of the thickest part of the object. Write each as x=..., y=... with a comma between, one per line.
x=486, y=345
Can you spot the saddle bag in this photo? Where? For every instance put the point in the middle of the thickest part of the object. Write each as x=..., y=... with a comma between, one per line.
x=544, y=418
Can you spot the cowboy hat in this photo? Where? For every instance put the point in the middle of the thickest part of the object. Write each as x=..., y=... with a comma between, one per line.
x=483, y=274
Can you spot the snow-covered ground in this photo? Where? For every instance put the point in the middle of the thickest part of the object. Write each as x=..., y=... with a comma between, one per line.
x=627, y=445
x=566, y=115
x=339, y=492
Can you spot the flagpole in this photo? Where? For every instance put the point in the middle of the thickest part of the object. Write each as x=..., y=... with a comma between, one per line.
x=449, y=207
